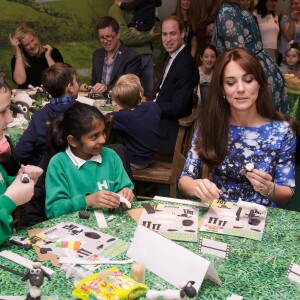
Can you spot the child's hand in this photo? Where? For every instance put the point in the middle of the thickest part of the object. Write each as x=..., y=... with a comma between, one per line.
x=128, y=194
x=116, y=107
x=33, y=172
x=103, y=198
x=118, y=2
x=84, y=87
x=20, y=192
x=153, y=33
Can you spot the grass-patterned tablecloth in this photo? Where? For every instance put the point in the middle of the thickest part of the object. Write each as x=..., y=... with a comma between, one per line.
x=244, y=273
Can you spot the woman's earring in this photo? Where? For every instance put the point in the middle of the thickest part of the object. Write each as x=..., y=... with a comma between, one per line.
x=224, y=97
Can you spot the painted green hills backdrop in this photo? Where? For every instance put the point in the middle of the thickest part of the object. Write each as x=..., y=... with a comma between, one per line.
x=68, y=25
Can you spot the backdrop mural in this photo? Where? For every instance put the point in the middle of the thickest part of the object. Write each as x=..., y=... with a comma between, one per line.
x=69, y=25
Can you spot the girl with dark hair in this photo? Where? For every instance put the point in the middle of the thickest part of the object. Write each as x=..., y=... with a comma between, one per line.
x=239, y=127
x=85, y=174
x=208, y=58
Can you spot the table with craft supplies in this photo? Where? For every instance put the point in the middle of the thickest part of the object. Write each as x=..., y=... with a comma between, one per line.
x=253, y=269
x=16, y=129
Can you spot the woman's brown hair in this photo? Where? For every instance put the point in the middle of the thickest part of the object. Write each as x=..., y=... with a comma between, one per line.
x=213, y=124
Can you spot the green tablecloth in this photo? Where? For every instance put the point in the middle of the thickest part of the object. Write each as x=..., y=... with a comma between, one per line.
x=244, y=273
x=294, y=98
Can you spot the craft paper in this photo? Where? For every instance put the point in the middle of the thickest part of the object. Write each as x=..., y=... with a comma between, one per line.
x=181, y=201
x=94, y=245
x=221, y=218
x=293, y=273
x=22, y=260
x=214, y=248
x=172, y=221
x=100, y=219
x=168, y=260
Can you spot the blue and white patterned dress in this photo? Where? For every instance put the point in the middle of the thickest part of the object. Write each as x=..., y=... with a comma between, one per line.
x=237, y=28
x=270, y=147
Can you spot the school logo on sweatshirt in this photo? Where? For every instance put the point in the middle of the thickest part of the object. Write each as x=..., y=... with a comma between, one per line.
x=103, y=185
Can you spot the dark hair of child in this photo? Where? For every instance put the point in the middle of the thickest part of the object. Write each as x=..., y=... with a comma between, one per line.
x=76, y=121
x=56, y=79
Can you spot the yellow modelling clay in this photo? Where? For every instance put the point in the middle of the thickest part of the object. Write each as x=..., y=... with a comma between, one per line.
x=109, y=284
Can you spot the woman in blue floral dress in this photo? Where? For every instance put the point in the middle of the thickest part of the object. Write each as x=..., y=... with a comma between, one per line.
x=236, y=27
x=247, y=143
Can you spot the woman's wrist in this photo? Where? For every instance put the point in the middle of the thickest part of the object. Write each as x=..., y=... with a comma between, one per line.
x=270, y=192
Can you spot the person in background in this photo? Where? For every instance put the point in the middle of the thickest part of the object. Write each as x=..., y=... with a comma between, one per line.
x=138, y=41
x=252, y=134
x=291, y=63
x=235, y=28
x=207, y=61
x=267, y=19
x=144, y=13
x=86, y=173
x=12, y=191
x=204, y=13
x=184, y=12
x=174, y=90
x=290, y=27
x=137, y=121
x=30, y=58
x=112, y=60
x=60, y=82
x=247, y=4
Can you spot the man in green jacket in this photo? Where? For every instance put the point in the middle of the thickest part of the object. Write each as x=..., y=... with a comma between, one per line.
x=138, y=41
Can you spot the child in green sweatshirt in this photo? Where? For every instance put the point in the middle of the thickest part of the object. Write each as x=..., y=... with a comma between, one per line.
x=12, y=191
x=85, y=174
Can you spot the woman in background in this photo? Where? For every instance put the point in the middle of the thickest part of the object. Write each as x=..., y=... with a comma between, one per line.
x=30, y=58
x=208, y=58
x=184, y=12
x=247, y=4
x=290, y=27
x=236, y=27
x=267, y=19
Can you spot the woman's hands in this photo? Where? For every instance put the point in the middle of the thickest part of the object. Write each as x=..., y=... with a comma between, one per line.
x=260, y=180
x=48, y=50
x=15, y=44
x=206, y=190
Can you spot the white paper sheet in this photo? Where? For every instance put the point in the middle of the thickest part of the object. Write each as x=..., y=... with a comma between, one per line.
x=168, y=260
